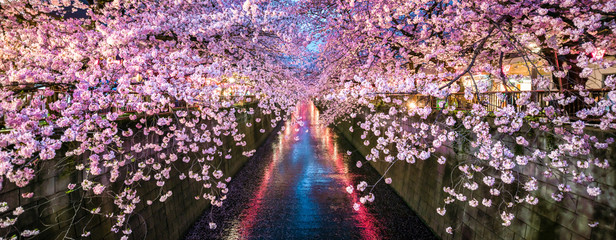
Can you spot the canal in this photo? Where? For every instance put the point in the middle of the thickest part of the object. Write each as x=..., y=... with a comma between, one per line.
x=294, y=188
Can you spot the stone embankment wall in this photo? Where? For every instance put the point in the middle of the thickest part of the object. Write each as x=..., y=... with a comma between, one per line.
x=52, y=210
x=421, y=186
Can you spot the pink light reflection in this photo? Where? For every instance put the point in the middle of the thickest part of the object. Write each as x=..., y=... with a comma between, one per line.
x=247, y=224
x=362, y=216
x=310, y=114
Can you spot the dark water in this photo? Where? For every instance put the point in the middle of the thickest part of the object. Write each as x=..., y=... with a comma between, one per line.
x=294, y=188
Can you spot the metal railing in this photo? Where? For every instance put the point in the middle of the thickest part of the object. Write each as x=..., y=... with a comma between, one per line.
x=494, y=100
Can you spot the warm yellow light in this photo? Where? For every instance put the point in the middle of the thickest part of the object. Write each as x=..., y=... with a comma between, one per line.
x=411, y=105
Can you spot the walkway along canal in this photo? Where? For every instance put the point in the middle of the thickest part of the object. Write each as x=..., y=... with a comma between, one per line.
x=294, y=188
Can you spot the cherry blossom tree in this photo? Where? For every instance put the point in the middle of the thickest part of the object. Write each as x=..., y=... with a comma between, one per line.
x=388, y=60
x=89, y=83
x=85, y=82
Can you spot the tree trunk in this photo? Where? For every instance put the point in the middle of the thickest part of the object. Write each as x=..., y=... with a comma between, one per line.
x=571, y=79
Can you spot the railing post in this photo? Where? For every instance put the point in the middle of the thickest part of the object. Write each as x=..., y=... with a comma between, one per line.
x=560, y=79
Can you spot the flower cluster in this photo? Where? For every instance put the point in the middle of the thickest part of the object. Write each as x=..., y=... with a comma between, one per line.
x=136, y=96
x=408, y=73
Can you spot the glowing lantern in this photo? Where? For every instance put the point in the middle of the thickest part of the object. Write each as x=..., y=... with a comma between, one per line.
x=411, y=105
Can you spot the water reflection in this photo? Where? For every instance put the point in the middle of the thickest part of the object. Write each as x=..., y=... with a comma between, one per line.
x=302, y=193
x=295, y=188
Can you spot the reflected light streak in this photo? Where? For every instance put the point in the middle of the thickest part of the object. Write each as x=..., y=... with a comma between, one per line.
x=362, y=216
x=285, y=141
x=246, y=225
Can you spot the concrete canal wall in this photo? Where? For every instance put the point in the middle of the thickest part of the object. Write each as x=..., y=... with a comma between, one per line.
x=52, y=209
x=421, y=186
